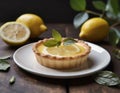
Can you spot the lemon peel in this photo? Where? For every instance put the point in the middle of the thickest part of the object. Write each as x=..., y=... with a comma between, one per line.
x=34, y=23
x=94, y=29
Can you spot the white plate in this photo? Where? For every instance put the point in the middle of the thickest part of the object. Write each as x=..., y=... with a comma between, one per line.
x=25, y=59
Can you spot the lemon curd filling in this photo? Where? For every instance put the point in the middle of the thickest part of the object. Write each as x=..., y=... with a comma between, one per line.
x=62, y=50
x=63, y=56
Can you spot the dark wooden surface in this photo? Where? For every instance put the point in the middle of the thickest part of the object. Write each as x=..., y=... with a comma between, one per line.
x=29, y=83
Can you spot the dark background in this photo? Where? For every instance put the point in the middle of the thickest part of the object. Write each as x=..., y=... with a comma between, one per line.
x=50, y=10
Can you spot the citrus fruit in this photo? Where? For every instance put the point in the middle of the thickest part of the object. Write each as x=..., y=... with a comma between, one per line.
x=68, y=50
x=94, y=29
x=14, y=33
x=63, y=50
x=34, y=23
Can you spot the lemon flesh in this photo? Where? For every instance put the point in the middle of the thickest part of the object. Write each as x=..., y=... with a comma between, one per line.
x=34, y=23
x=94, y=29
x=14, y=33
x=62, y=51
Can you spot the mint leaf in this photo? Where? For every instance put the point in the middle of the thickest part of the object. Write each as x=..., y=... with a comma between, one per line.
x=80, y=18
x=69, y=41
x=100, y=5
x=78, y=5
x=12, y=80
x=4, y=65
x=57, y=40
x=56, y=35
x=51, y=43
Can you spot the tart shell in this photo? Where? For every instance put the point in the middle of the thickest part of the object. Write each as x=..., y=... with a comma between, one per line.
x=56, y=62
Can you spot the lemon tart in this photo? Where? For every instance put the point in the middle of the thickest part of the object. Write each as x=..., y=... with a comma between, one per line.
x=62, y=56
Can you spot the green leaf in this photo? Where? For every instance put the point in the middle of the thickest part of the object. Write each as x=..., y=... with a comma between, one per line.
x=100, y=5
x=116, y=53
x=79, y=19
x=114, y=36
x=113, y=9
x=112, y=16
x=69, y=41
x=56, y=35
x=4, y=65
x=51, y=43
x=107, y=78
x=12, y=80
x=78, y=5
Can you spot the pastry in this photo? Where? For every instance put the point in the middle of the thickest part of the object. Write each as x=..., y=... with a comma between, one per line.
x=62, y=56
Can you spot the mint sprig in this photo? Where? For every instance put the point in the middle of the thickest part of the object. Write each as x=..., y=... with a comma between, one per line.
x=57, y=40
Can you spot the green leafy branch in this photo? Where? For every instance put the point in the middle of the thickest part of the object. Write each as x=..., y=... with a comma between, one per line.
x=110, y=11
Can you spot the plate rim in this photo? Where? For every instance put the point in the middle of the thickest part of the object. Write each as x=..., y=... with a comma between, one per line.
x=60, y=76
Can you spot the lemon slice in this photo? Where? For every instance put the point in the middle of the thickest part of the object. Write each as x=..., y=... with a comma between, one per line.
x=62, y=51
x=14, y=33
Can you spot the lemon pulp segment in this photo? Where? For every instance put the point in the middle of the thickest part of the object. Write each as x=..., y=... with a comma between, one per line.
x=63, y=51
x=12, y=32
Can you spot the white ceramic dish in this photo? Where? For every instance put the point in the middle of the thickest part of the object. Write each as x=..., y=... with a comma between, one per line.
x=24, y=57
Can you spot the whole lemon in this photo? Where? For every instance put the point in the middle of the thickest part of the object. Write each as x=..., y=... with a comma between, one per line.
x=94, y=29
x=34, y=23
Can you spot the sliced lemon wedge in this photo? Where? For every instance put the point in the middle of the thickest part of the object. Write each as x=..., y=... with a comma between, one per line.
x=14, y=33
x=62, y=51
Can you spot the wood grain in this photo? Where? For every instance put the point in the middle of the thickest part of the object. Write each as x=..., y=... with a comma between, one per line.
x=29, y=83
x=88, y=85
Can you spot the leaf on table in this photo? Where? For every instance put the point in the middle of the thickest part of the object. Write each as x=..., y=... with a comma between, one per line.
x=12, y=80
x=78, y=5
x=79, y=19
x=100, y=5
x=107, y=78
x=4, y=65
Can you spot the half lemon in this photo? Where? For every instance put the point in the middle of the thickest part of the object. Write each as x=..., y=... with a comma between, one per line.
x=14, y=33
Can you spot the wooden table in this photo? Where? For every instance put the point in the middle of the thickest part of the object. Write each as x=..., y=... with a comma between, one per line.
x=29, y=83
